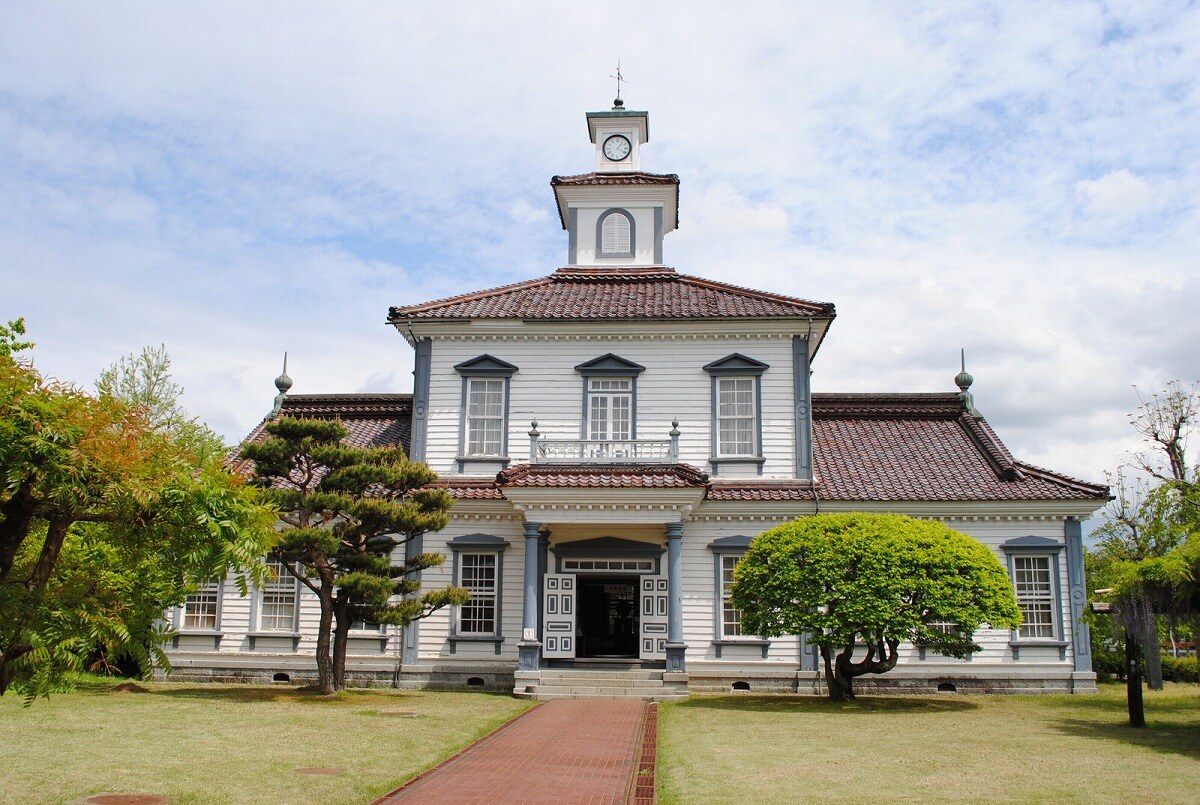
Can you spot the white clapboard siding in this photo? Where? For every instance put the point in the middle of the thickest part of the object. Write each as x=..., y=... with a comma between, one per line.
x=674, y=385
x=435, y=629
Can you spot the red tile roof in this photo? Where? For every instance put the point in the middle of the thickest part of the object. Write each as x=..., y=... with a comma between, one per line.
x=661, y=476
x=614, y=293
x=373, y=420
x=867, y=447
x=464, y=488
x=881, y=447
x=631, y=177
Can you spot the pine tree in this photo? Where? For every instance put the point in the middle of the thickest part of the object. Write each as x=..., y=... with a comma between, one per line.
x=345, y=511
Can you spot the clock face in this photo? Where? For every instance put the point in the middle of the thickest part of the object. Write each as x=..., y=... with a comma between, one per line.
x=617, y=148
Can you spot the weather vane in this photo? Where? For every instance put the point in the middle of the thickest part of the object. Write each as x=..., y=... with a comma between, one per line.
x=618, y=103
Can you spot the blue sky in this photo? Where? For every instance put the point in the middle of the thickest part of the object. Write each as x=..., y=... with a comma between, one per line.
x=1019, y=179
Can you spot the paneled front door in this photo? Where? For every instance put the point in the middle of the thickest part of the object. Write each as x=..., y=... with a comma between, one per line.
x=558, y=617
x=653, y=632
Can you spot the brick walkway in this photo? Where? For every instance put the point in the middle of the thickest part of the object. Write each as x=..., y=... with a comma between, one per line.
x=568, y=750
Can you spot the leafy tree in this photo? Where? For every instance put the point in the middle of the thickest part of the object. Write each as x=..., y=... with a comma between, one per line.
x=143, y=381
x=849, y=580
x=345, y=511
x=105, y=520
x=1148, y=521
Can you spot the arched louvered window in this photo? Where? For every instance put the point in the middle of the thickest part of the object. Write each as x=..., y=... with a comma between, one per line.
x=616, y=234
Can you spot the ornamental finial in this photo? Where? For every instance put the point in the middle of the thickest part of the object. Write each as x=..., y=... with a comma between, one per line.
x=964, y=380
x=283, y=383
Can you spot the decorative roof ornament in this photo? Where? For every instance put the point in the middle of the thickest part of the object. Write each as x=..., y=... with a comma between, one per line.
x=282, y=383
x=964, y=380
x=618, y=104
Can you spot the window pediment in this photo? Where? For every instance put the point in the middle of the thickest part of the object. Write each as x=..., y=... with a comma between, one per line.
x=486, y=366
x=610, y=365
x=736, y=364
x=477, y=542
x=736, y=544
x=1031, y=544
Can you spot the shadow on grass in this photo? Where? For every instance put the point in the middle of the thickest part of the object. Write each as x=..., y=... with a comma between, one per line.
x=264, y=693
x=1168, y=738
x=863, y=705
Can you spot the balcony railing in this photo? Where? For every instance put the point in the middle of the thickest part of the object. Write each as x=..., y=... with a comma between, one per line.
x=604, y=451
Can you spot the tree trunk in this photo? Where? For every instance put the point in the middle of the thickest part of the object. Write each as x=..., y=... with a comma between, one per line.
x=14, y=646
x=325, y=683
x=1133, y=680
x=841, y=689
x=1151, y=648
x=341, y=632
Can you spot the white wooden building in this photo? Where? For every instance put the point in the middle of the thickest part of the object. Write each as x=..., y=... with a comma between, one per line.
x=614, y=435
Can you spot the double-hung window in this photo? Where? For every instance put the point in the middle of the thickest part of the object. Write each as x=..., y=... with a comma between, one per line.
x=1035, y=596
x=479, y=569
x=477, y=574
x=1033, y=567
x=485, y=393
x=728, y=631
x=731, y=617
x=737, y=419
x=485, y=416
x=201, y=609
x=277, y=606
x=736, y=411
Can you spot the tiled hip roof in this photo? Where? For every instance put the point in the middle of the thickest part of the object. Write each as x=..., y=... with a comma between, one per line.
x=615, y=293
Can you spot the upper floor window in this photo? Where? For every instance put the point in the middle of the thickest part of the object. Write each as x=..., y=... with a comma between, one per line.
x=736, y=409
x=485, y=416
x=609, y=398
x=610, y=407
x=737, y=417
x=485, y=406
x=614, y=235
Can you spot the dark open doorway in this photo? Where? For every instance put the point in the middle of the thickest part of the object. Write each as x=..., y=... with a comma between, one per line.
x=607, y=616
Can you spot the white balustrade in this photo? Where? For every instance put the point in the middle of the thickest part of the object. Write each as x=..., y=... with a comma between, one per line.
x=604, y=451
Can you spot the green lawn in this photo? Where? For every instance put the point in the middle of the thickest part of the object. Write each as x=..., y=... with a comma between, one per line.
x=230, y=743
x=742, y=749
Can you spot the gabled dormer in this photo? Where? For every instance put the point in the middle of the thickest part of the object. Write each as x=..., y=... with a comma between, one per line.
x=617, y=215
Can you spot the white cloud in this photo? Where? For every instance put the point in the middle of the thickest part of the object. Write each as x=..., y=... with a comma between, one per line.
x=1116, y=197
x=239, y=180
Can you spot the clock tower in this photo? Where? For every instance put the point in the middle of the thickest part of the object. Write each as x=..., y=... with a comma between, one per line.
x=617, y=215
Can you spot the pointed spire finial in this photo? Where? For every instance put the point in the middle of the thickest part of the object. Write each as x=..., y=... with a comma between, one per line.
x=964, y=380
x=282, y=383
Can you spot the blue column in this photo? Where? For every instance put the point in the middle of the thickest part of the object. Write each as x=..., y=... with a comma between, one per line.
x=412, y=632
x=529, y=648
x=675, y=645
x=802, y=398
x=421, y=366
x=1081, y=638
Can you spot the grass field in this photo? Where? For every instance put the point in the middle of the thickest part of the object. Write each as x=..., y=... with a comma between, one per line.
x=948, y=748
x=225, y=744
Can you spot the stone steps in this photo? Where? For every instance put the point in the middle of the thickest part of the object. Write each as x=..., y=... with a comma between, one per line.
x=592, y=683
x=659, y=696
